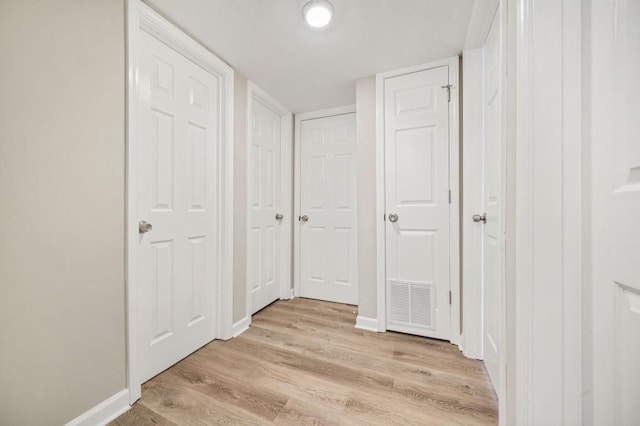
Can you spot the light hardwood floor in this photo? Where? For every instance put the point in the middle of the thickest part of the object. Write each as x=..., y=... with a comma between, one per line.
x=303, y=362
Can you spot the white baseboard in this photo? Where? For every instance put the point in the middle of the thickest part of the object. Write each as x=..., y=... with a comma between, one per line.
x=241, y=326
x=365, y=323
x=106, y=411
x=286, y=295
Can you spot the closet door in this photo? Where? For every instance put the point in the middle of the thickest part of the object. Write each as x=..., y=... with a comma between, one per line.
x=492, y=216
x=177, y=244
x=265, y=224
x=614, y=311
x=328, y=235
x=416, y=122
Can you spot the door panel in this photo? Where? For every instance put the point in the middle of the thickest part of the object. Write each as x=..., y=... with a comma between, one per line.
x=493, y=201
x=416, y=118
x=177, y=164
x=616, y=211
x=263, y=251
x=328, y=241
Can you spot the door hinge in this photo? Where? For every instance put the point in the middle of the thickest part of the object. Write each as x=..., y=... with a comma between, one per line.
x=448, y=87
x=384, y=217
x=449, y=196
x=449, y=297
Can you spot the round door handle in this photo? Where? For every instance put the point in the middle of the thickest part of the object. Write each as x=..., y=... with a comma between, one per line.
x=393, y=217
x=144, y=227
x=304, y=218
x=279, y=216
x=480, y=217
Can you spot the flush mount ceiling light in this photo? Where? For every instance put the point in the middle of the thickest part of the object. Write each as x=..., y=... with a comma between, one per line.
x=318, y=13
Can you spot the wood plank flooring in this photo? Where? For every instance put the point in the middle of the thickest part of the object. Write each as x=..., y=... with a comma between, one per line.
x=302, y=362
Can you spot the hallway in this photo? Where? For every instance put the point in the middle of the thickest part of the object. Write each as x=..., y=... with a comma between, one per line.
x=303, y=362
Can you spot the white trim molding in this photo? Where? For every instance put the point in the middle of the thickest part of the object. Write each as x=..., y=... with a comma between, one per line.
x=255, y=93
x=453, y=65
x=141, y=18
x=547, y=290
x=105, y=412
x=366, y=323
x=299, y=118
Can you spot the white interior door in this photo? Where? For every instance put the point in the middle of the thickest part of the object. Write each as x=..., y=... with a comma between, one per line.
x=615, y=298
x=176, y=259
x=493, y=201
x=416, y=132
x=328, y=239
x=263, y=247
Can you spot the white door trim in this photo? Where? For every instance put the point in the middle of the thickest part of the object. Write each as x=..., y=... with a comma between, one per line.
x=454, y=214
x=141, y=18
x=550, y=171
x=347, y=109
x=254, y=92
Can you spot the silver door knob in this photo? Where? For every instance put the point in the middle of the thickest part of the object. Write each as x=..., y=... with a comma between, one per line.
x=144, y=227
x=393, y=217
x=279, y=216
x=304, y=218
x=480, y=217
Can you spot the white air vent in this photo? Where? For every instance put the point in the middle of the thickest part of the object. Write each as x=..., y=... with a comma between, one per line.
x=412, y=304
x=421, y=305
x=399, y=301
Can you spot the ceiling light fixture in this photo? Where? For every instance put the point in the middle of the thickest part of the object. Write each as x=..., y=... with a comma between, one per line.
x=318, y=13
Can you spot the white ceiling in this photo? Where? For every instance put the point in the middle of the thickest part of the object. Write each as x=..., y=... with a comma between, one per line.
x=306, y=70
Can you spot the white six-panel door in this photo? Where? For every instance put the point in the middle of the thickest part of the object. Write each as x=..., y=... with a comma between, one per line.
x=328, y=215
x=493, y=200
x=416, y=132
x=263, y=240
x=176, y=259
x=615, y=184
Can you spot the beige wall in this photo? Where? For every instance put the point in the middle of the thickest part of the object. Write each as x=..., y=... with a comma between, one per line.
x=366, y=143
x=62, y=142
x=240, y=199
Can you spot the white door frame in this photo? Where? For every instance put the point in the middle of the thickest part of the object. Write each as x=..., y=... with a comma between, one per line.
x=141, y=18
x=255, y=93
x=347, y=109
x=454, y=213
x=551, y=169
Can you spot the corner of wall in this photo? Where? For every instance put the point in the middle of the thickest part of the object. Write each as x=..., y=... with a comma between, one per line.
x=240, y=200
x=366, y=183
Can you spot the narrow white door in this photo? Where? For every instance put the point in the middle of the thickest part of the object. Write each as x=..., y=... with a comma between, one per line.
x=177, y=267
x=615, y=253
x=263, y=247
x=416, y=121
x=493, y=200
x=328, y=240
